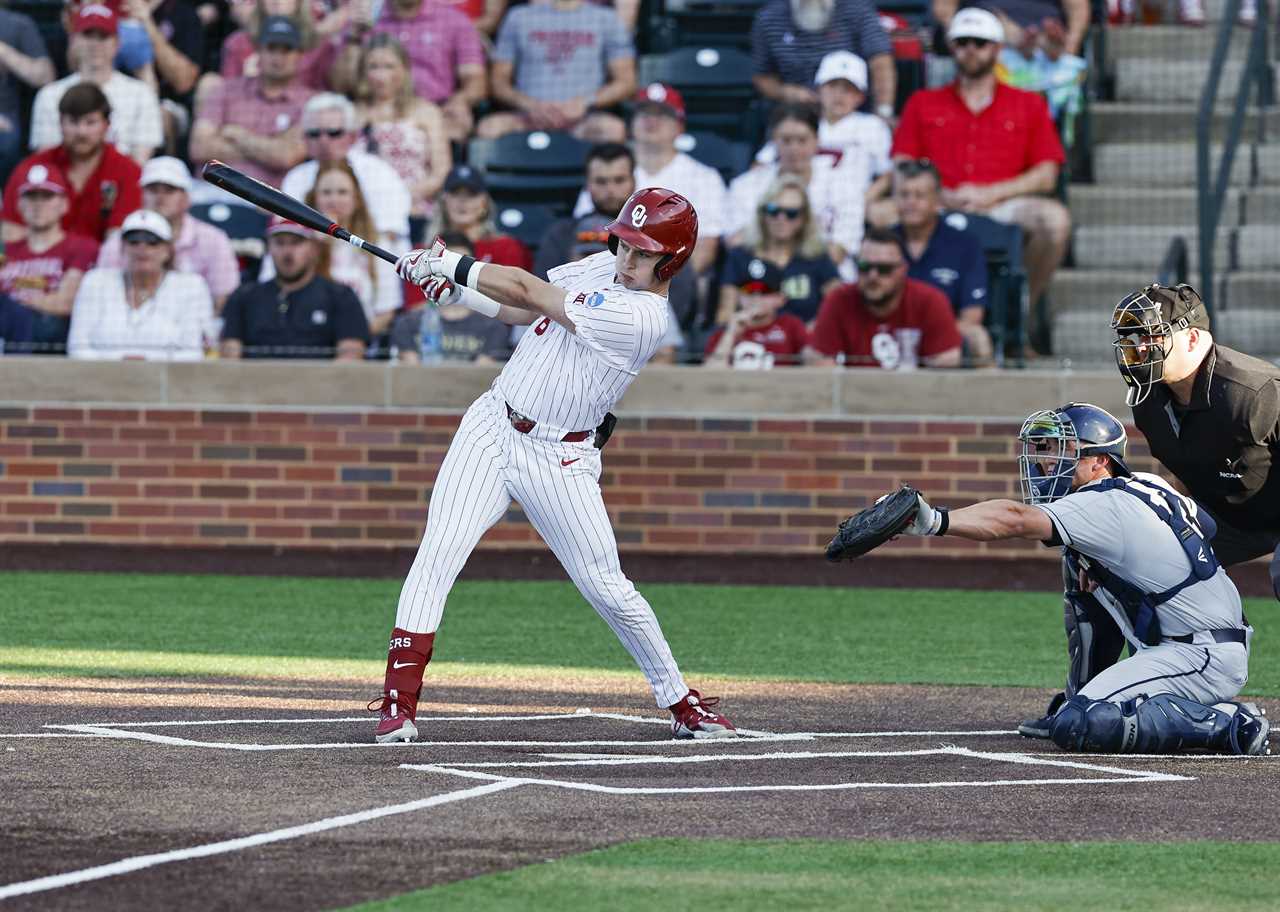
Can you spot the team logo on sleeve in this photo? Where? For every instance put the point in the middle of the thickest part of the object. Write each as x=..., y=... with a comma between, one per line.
x=596, y=299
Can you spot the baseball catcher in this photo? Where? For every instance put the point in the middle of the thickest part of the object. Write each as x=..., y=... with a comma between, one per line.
x=1141, y=562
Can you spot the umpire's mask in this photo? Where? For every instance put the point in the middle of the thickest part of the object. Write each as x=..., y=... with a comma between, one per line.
x=1144, y=323
x=1048, y=456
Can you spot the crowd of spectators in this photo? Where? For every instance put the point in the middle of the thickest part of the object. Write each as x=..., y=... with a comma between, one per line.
x=834, y=245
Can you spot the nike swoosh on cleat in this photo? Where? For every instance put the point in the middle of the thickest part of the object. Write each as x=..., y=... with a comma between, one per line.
x=402, y=664
x=565, y=462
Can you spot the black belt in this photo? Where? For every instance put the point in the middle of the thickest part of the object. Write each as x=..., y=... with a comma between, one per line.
x=1221, y=635
x=524, y=424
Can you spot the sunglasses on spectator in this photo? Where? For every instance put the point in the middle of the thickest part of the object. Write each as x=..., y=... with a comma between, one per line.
x=142, y=237
x=866, y=267
x=332, y=134
x=970, y=42
x=790, y=212
x=914, y=166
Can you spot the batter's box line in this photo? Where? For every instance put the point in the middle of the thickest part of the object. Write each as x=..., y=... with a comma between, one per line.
x=1117, y=775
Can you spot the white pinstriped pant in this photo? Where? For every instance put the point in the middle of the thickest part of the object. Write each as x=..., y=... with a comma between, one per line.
x=488, y=465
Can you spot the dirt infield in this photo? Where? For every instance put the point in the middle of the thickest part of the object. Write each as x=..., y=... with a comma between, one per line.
x=269, y=795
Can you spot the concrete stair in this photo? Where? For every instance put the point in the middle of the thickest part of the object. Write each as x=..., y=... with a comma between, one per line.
x=1144, y=168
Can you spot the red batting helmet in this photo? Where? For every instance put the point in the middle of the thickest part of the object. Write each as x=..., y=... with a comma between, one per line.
x=657, y=221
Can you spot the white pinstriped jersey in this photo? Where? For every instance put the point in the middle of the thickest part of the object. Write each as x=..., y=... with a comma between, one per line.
x=569, y=380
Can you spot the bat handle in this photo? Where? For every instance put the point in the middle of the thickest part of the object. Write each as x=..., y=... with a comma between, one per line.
x=360, y=243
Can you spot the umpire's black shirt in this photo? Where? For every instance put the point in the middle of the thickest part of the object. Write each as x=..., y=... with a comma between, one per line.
x=307, y=322
x=1224, y=444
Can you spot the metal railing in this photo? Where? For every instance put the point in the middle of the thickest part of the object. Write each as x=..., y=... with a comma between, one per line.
x=1211, y=188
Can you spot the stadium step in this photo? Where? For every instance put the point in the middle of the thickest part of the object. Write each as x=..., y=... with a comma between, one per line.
x=1140, y=79
x=1123, y=121
x=1172, y=42
x=1174, y=164
x=1246, y=290
x=1258, y=247
x=1139, y=247
x=1094, y=291
x=1249, y=329
x=1103, y=204
x=1083, y=338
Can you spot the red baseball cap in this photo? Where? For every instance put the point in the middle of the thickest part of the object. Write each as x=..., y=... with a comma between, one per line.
x=657, y=93
x=279, y=225
x=95, y=17
x=44, y=177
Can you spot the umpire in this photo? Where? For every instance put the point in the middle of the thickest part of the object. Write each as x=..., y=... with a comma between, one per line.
x=1211, y=416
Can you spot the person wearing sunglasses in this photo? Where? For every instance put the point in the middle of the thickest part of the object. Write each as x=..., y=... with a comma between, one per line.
x=330, y=130
x=995, y=147
x=785, y=236
x=254, y=123
x=1025, y=21
x=885, y=319
x=147, y=310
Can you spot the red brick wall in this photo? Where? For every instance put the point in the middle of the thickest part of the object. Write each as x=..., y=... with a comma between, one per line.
x=326, y=478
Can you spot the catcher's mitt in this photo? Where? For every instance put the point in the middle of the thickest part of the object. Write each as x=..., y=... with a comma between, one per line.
x=875, y=525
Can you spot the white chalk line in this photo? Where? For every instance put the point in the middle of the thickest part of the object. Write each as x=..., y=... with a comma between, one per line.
x=141, y=862
x=579, y=714
x=652, y=759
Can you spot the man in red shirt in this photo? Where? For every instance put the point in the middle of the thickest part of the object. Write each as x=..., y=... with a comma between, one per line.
x=886, y=320
x=43, y=272
x=104, y=182
x=995, y=147
x=758, y=336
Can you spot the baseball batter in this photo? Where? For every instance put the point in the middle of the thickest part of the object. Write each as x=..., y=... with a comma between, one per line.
x=1142, y=560
x=535, y=437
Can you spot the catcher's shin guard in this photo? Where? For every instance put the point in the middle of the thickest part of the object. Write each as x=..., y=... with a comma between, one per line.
x=1162, y=724
x=1094, y=641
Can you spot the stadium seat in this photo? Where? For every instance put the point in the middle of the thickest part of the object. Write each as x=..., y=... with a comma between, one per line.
x=526, y=222
x=246, y=226
x=712, y=149
x=716, y=85
x=1006, y=281
x=536, y=167
x=702, y=23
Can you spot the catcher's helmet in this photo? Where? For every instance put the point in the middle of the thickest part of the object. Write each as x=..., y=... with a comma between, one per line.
x=1145, y=322
x=657, y=221
x=1053, y=440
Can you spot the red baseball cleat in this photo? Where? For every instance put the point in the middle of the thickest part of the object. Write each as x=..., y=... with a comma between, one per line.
x=693, y=717
x=395, y=717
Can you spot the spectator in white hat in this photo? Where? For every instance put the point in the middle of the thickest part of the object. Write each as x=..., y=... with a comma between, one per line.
x=1023, y=20
x=147, y=310
x=198, y=247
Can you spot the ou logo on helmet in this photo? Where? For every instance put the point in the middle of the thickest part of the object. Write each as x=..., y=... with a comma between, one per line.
x=639, y=215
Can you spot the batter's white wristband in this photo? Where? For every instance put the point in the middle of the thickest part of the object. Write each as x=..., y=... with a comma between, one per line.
x=481, y=304
x=464, y=270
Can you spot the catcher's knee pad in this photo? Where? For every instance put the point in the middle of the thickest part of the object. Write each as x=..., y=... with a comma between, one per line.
x=1094, y=641
x=1157, y=725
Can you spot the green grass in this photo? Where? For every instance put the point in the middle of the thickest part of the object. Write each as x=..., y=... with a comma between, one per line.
x=220, y=625
x=711, y=875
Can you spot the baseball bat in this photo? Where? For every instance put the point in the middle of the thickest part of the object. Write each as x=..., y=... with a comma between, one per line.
x=269, y=198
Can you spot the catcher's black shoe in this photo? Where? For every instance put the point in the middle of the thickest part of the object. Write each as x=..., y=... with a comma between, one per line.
x=1043, y=726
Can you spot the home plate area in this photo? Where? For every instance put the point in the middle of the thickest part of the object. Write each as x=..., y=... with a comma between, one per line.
x=626, y=754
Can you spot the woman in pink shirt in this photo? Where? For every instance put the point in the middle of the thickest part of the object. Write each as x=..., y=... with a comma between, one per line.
x=403, y=130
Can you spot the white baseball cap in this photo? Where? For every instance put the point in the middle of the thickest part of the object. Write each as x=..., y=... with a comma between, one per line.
x=972, y=22
x=167, y=170
x=843, y=65
x=148, y=221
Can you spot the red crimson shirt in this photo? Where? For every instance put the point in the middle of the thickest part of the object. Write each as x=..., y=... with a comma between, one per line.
x=922, y=326
x=784, y=338
x=25, y=275
x=112, y=191
x=1007, y=138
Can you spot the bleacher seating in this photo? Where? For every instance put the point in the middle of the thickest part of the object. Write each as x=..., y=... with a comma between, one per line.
x=1006, y=281
x=728, y=157
x=526, y=222
x=537, y=167
x=715, y=83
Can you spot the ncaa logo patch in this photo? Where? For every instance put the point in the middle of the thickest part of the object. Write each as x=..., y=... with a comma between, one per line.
x=596, y=299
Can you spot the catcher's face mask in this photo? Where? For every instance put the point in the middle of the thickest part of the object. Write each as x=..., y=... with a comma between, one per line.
x=1047, y=461
x=1144, y=340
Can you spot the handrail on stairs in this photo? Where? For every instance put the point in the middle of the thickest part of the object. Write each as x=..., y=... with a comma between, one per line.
x=1211, y=189
x=1175, y=267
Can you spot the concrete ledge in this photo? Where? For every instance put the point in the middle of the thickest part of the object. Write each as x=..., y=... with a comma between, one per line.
x=659, y=390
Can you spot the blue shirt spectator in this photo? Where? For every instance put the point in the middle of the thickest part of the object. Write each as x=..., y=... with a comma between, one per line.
x=804, y=279
x=17, y=324
x=940, y=252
